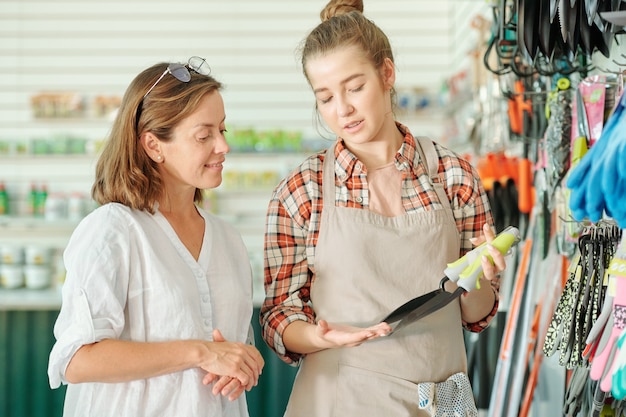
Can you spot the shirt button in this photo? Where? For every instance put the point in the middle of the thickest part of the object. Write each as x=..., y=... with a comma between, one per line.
x=359, y=199
x=358, y=166
x=205, y=298
x=207, y=322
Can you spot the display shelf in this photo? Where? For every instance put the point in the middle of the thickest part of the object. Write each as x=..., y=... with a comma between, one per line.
x=29, y=230
x=28, y=299
x=46, y=157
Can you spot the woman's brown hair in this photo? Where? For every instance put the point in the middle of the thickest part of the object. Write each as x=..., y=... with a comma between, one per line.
x=343, y=24
x=124, y=172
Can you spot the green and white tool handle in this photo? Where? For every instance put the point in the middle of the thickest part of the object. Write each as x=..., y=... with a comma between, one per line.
x=467, y=270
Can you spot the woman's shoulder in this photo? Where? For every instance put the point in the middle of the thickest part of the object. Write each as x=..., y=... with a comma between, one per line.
x=112, y=214
x=112, y=221
x=305, y=175
x=452, y=160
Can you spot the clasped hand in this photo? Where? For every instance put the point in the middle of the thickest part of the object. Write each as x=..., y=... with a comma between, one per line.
x=233, y=366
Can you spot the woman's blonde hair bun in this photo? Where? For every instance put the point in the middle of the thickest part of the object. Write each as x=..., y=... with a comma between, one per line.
x=339, y=7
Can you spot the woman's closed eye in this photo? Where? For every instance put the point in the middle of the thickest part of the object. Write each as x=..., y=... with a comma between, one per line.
x=357, y=89
x=324, y=100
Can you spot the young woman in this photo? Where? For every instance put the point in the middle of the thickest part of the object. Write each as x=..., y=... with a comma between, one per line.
x=359, y=229
x=155, y=318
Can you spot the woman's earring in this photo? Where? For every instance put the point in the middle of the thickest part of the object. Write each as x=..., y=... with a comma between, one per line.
x=159, y=157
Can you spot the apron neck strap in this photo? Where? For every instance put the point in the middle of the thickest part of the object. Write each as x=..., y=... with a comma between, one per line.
x=428, y=154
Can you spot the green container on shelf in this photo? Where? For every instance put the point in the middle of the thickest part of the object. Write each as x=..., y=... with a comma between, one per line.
x=58, y=145
x=40, y=146
x=77, y=146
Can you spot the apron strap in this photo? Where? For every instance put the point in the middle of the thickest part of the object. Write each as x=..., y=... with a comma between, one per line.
x=328, y=179
x=428, y=154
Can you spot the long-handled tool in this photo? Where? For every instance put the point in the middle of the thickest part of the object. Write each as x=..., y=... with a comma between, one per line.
x=466, y=272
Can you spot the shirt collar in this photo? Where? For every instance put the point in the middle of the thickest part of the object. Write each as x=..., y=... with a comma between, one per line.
x=406, y=158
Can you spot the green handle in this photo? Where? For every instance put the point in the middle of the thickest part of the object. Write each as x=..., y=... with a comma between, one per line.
x=469, y=277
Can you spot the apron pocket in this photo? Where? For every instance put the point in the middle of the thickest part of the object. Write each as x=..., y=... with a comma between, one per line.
x=450, y=398
x=361, y=392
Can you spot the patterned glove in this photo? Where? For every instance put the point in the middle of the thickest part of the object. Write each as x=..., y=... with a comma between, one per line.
x=603, y=362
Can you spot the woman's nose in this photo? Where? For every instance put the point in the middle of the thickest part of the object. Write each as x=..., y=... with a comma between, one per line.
x=222, y=144
x=344, y=109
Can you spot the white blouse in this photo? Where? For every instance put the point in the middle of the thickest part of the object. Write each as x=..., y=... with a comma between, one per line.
x=130, y=277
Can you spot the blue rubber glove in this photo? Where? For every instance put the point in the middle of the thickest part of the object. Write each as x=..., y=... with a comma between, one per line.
x=615, y=204
x=611, y=174
x=584, y=180
x=578, y=179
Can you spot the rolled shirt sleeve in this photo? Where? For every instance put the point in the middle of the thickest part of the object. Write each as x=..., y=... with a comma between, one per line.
x=94, y=293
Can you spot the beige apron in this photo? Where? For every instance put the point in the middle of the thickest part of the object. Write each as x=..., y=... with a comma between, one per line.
x=366, y=265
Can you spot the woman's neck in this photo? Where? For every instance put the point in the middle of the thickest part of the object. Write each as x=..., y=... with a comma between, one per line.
x=380, y=152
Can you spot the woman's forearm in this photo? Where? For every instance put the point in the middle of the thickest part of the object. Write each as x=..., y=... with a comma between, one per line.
x=300, y=337
x=478, y=303
x=113, y=360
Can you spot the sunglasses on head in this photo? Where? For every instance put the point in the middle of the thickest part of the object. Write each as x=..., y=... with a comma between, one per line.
x=181, y=73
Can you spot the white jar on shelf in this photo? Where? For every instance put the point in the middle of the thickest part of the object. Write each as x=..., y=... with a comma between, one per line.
x=56, y=207
x=11, y=254
x=37, y=255
x=11, y=276
x=37, y=276
x=76, y=206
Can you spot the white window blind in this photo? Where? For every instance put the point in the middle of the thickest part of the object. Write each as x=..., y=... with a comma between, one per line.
x=95, y=47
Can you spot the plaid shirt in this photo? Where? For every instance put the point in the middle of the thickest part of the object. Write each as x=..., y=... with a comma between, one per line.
x=293, y=221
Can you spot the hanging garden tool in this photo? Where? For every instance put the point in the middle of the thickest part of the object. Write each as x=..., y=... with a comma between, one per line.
x=581, y=143
x=557, y=137
x=551, y=36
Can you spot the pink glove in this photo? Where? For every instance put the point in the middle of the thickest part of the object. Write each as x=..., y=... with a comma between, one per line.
x=603, y=362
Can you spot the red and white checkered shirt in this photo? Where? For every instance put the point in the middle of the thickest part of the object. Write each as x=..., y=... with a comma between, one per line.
x=293, y=220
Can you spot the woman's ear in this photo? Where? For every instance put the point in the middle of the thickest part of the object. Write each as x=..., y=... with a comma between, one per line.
x=389, y=73
x=152, y=146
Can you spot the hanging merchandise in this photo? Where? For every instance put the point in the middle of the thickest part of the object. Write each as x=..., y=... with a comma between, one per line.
x=557, y=136
x=584, y=292
x=598, y=182
x=608, y=358
x=578, y=324
x=593, y=93
x=548, y=36
x=501, y=395
x=564, y=132
x=594, y=97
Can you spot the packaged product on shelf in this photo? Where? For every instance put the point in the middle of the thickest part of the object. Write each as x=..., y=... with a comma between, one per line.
x=37, y=255
x=11, y=276
x=4, y=199
x=11, y=254
x=57, y=105
x=31, y=205
x=37, y=276
x=76, y=206
x=55, y=207
x=40, y=200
